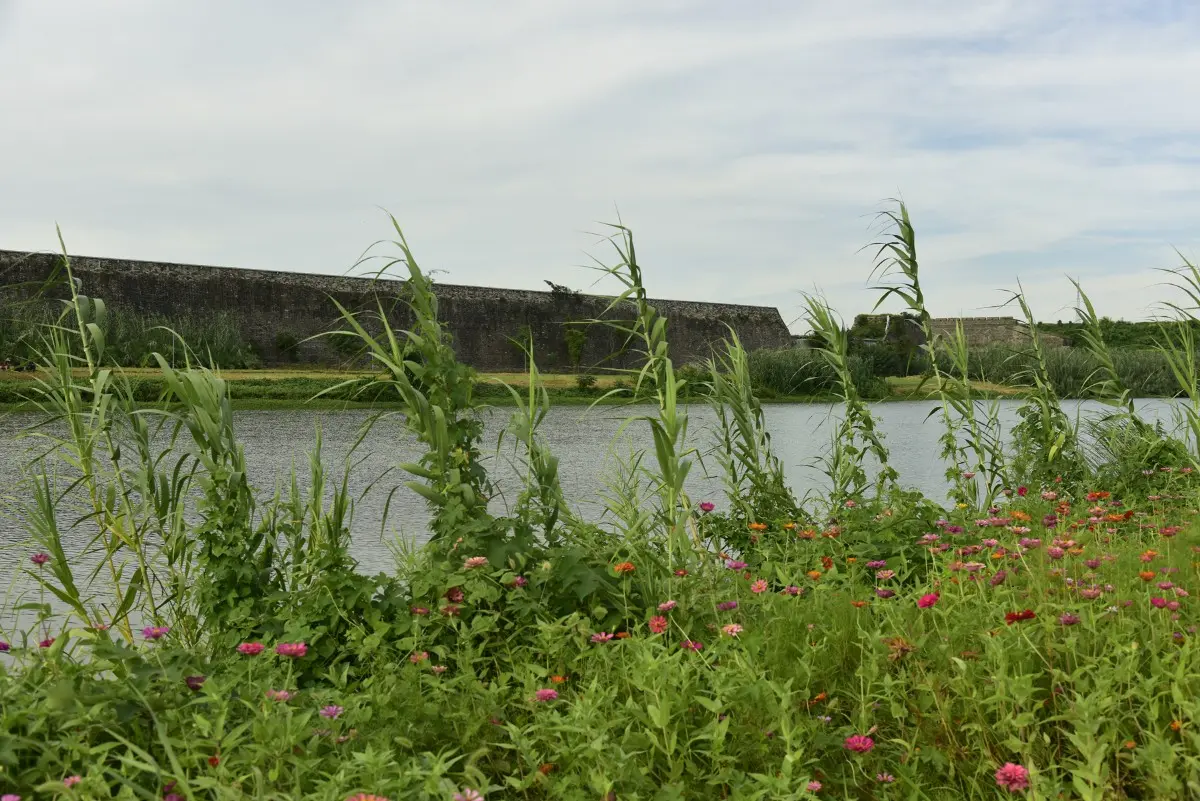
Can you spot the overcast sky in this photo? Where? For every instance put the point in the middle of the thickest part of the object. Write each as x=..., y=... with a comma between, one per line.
x=747, y=143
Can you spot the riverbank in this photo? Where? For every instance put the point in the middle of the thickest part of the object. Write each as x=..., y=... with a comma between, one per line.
x=328, y=389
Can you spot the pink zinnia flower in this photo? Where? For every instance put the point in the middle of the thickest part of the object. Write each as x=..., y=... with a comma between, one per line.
x=71, y=781
x=546, y=695
x=1158, y=603
x=732, y=629
x=601, y=636
x=520, y=581
x=1012, y=777
x=885, y=575
x=692, y=645
x=707, y=506
x=450, y=610
x=667, y=606
x=250, y=648
x=926, y=601
x=155, y=632
x=792, y=589
x=438, y=669
x=293, y=650
x=1068, y=619
x=658, y=624
x=418, y=657
x=331, y=711
x=10, y=797
x=735, y=564
x=759, y=586
x=813, y=786
x=279, y=695
x=885, y=778
x=1054, y=552
x=420, y=611
x=876, y=564
x=40, y=559
x=468, y=795
x=859, y=743
x=726, y=606
x=454, y=595
x=885, y=594
x=474, y=562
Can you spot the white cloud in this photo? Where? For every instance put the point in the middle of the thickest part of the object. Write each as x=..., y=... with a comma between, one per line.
x=747, y=144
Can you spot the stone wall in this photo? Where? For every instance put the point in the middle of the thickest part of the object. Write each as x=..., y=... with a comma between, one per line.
x=481, y=320
x=981, y=331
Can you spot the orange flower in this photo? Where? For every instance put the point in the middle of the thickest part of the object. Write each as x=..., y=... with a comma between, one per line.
x=1147, y=575
x=814, y=574
x=858, y=604
x=1017, y=514
x=1176, y=725
x=827, y=562
x=1075, y=551
x=818, y=698
x=831, y=534
x=851, y=559
x=624, y=567
x=545, y=768
x=758, y=526
x=789, y=525
x=621, y=635
x=1130, y=745
x=807, y=534
x=556, y=679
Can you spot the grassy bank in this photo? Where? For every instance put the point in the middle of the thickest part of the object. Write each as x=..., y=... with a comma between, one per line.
x=302, y=389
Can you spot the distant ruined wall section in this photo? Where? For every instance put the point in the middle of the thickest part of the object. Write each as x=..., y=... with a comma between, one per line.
x=981, y=331
x=481, y=320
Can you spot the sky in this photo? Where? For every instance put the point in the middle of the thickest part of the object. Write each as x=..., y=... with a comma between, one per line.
x=749, y=145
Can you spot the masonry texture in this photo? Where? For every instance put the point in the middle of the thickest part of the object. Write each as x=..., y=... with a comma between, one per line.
x=979, y=331
x=482, y=321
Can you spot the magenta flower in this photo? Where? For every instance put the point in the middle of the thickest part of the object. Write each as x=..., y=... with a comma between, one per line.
x=859, y=743
x=692, y=645
x=926, y=601
x=545, y=695
x=71, y=781
x=1054, y=552
x=814, y=786
x=885, y=594
x=332, y=711
x=10, y=797
x=474, y=562
x=735, y=564
x=46, y=643
x=759, y=586
x=601, y=636
x=1012, y=777
x=4, y=646
x=884, y=778
x=194, y=683
x=667, y=606
x=875, y=564
x=999, y=578
x=707, y=506
x=1068, y=619
x=281, y=696
x=250, y=648
x=520, y=581
x=1158, y=603
x=293, y=650
x=792, y=590
x=726, y=606
x=40, y=559
x=155, y=632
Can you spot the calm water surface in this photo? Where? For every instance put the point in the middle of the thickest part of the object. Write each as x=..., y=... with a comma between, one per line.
x=584, y=441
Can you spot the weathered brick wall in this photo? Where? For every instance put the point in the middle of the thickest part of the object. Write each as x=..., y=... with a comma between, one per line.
x=482, y=320
x=981, y=331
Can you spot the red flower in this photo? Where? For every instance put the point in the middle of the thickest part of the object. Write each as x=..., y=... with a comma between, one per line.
x=926, y=601
x=1014, y=617
x=1022, y=491
x=658, y=624
x=214, y=760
